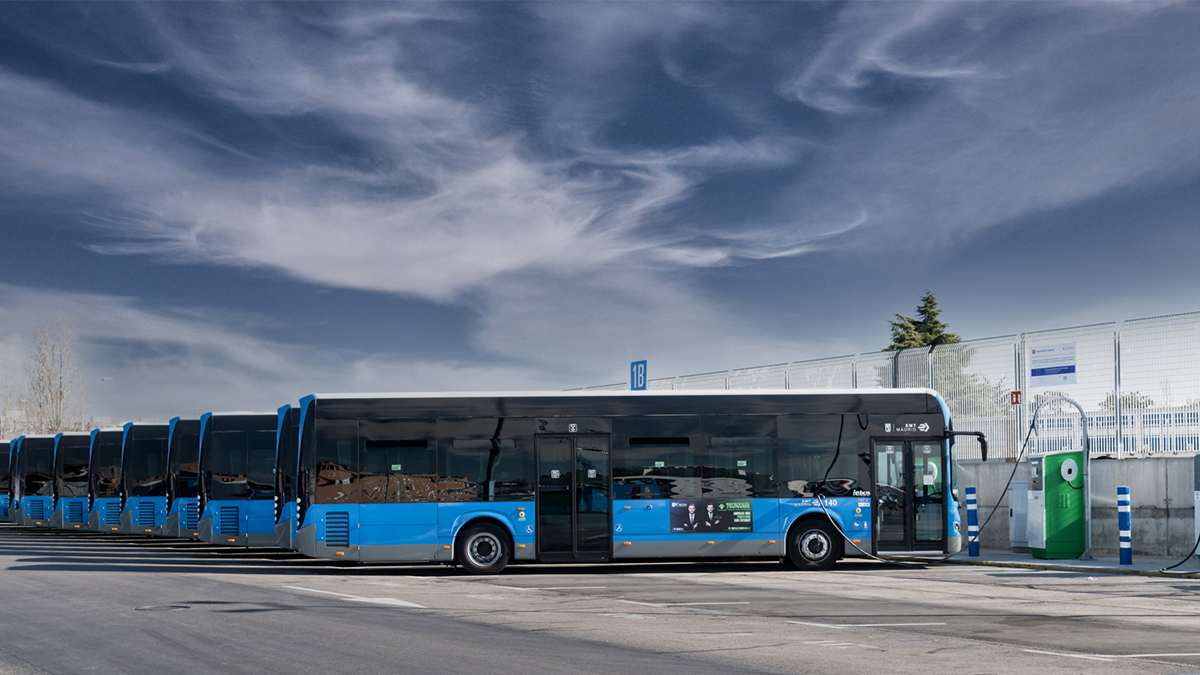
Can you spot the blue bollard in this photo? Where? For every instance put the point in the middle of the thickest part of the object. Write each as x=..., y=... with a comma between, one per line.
x=1125, y=525
x=972, y=524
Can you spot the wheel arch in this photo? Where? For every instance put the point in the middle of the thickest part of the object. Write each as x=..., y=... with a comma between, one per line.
x=479, y=520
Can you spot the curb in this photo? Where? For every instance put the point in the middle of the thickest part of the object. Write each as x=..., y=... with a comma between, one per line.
x=1075, y=568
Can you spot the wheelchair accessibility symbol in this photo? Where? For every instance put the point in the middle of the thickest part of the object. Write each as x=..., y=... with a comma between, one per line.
x=529, y=529
x=618, y=527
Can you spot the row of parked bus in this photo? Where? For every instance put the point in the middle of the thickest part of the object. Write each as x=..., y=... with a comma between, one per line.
x=480, y=481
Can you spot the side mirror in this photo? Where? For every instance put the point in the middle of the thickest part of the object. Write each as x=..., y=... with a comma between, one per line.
x=982, y=448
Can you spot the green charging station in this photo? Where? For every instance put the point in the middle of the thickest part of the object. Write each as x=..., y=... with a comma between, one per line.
x=1057, y=503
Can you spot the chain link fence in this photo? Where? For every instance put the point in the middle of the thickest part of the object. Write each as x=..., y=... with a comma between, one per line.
x=1138, y=381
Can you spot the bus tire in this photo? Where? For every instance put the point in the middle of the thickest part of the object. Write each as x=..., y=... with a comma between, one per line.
x=483, y=548
x=813, y=545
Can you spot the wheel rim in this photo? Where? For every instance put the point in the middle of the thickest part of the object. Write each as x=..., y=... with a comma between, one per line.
x=483, y=549
x=814, y=546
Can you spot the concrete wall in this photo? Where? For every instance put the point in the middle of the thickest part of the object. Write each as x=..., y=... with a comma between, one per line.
x=1161, y=489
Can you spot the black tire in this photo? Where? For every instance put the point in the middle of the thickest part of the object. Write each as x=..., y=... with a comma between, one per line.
x=814, y=545
x=483, y=548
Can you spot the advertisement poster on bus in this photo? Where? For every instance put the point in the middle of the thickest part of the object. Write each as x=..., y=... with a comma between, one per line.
x=711, y=515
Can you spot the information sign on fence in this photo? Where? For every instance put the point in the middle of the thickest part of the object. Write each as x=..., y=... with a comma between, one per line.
x=1052, y=365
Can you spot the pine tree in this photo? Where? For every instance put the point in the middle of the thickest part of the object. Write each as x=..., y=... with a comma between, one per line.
x=923, y=331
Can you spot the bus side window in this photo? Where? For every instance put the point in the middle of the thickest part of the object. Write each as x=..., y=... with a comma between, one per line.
x=483, y=459
x=658, y=457
x=740, y=456
x=809, y=460
x=336, y=464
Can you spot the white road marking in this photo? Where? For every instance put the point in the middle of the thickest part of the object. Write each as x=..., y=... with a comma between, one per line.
x=1073, y=656
x=681, y=604
x=394, y=602
x=1110, y=657
x=620, y=615
x=838, y=645
x=488, y=597
x=570, y=588
x=841, y=626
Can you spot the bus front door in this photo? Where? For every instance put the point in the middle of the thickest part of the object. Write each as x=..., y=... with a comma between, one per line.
x=574, y=501
x=910, y=502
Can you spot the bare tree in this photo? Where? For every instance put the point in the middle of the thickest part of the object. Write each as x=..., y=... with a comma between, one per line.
x=9, y=419
x=54, y=398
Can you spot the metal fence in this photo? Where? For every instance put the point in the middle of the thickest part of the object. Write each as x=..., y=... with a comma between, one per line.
x=1138, y=381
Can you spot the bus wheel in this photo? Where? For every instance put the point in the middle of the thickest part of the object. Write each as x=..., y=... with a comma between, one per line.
x=483, y=549
x=813, y=545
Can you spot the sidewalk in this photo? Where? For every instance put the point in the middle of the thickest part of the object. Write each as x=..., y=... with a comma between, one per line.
x=1142, y=565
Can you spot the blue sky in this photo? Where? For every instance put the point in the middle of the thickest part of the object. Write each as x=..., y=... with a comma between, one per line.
x=241, y=203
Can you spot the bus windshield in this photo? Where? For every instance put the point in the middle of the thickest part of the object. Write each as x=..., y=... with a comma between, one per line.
x=145, y=462
x=71, y=465
x=37, y=466
x=184, y=460
x=105, y=474
x=239, y=460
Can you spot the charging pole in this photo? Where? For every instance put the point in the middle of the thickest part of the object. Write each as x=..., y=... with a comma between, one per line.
x=1087, y=472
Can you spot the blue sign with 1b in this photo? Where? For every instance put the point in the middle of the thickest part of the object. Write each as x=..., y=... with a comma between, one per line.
x=637, y=376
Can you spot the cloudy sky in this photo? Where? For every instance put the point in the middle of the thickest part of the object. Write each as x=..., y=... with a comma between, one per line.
x=240, y=204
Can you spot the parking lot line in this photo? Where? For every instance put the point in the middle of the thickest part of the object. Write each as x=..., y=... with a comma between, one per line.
x=394, y=602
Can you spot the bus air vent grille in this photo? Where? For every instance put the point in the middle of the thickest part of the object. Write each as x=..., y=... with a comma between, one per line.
x=145, y=513
x=227, y=520
x=112, y=513
x=337, y=528
x=74, y=512
x=36, y=510
x=191, y=515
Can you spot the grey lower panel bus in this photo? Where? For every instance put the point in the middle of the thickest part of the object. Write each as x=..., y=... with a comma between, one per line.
x=283, y=536
x=718, y=548
x=171, y=528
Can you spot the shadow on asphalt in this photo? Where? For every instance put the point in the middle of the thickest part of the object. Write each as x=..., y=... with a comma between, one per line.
x=68, y=551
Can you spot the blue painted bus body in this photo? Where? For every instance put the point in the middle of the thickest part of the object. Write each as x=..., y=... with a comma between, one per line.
x=369, y=532
x=238, y=522
x=247, y=518
x=641, y=529
x=71, y=459
x=104, y=480
x=183, y=518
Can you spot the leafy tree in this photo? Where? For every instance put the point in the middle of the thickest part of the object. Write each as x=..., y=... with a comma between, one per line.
x=923, y=331
x=1129, y=401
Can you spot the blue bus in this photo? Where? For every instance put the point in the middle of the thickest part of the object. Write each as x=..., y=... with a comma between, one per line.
x=237, y=460
x=143, y=478
x=183, y=490
x=33, y=480
x=104, y=480
x=286, y=453
x=480, y=481
x=5, y=483
x=71, y=455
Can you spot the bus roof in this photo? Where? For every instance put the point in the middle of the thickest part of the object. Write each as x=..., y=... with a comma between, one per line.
x=580, y=393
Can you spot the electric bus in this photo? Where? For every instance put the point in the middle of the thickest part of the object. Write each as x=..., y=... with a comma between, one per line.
x=143, y=478
x=286, y=450
x=237, y=458
x=71, y=456
x=183, y=464
x=481, y=480
x=33, y=478
x=5, y=483
x=104, y=480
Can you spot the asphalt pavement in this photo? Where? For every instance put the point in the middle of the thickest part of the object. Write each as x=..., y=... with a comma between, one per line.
x=85, y=603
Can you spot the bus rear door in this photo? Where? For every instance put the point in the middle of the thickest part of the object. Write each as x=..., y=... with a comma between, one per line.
x=574, y=500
